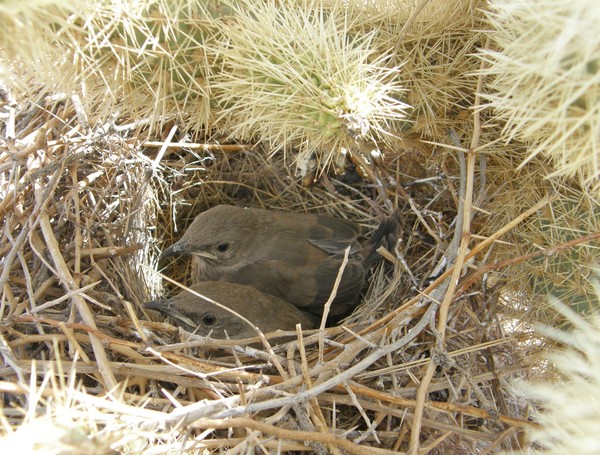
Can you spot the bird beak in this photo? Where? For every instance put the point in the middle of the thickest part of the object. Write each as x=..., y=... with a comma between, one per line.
x=167, y=307
x=157, y=305
x=175, y=250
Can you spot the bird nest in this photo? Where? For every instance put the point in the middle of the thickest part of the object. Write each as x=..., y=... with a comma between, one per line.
x=424, y=359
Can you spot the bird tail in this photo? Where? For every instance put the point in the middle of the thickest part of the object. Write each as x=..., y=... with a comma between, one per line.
x=386, y=236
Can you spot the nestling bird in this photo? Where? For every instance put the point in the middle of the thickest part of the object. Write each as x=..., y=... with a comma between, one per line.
x=198, y=315
x=294, y=256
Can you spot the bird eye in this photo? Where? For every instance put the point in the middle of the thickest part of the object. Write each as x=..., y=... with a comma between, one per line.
x=222, y=247
x=209, y=319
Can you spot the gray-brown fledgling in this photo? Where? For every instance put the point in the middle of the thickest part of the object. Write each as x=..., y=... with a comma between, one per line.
x=195, y=314
x=294, y=256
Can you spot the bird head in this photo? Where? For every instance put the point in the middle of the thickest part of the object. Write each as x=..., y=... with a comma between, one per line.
x=200, y=316
x=220, y=237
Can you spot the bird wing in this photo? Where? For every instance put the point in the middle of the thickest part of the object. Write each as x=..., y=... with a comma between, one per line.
x=348, y=291
x=327, y=227
x=266, y=275
x=297, y=258
x=333, y=235
x=303, y=283
x=336, y=246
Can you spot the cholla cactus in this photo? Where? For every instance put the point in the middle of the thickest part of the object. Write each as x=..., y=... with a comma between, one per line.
x=155, y=51
x=565, y=222
x=570, y=414
x=141, y=58
x=571, y=214
x=43, y=436
x=438, y=41
x=545, y=79
x=30, y=49
x=569, y=273
x=294, y=76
